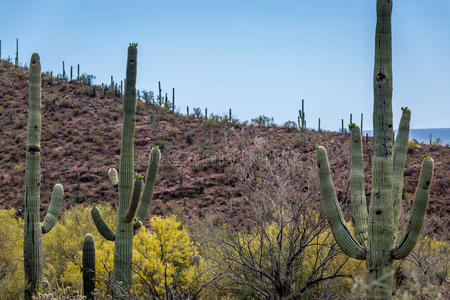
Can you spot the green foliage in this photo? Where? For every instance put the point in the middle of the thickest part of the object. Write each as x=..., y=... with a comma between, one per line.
x=63, y=247
x=262, y=121
x=413, y=146
x=189, y=137
x=173, y=131
x=160, y=144
x=162, y=255
x=290, y=125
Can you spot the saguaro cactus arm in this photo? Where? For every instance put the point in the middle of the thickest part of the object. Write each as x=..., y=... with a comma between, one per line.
x=53, y=211
x=358, y=197
x=137, y=189
x=147, y=196
x=101, y=225
x=409, y=239
x=401, y=145
x=340, y=230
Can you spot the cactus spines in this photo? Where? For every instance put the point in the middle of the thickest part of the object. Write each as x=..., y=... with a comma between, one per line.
x=129, y=204
x=377, y=240
x=32, y=246
x=88, y=259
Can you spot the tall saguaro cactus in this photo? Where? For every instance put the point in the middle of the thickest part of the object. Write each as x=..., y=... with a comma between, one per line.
x=32, y=246
x=374, y=235
x=132, y=209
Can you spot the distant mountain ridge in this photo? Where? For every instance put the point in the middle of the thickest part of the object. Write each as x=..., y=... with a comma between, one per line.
x=425, y=135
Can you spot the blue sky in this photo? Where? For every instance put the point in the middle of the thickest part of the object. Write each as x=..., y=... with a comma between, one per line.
x=256, y=57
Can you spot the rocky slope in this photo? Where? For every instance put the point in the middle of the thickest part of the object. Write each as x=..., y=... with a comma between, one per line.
x=81, y=136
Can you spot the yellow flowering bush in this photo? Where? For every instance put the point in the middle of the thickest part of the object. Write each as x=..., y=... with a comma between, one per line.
x=62, y=248
x=11, y=255
x=167, y=262
x=163, y=256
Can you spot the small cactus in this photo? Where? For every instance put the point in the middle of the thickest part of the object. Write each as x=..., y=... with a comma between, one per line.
x=16, y=61
x=88, y=259
x=173, y=99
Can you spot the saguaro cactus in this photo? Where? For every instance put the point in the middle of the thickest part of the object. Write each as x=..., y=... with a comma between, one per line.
x=88, y=266
x=132, y=209
x=32, y=246
x=16, y=61
x=159, y=93
x=375, y=230
x=173, y=99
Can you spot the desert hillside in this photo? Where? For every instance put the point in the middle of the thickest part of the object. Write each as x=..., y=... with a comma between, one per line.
x=81, y=135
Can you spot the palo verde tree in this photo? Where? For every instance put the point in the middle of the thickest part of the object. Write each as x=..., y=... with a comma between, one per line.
x=132, y=210
x=375, y=230
x=32, y=245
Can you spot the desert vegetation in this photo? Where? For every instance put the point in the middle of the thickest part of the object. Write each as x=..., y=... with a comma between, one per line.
x=255, y=216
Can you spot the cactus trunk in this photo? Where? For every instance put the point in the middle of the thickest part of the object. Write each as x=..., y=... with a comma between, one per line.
x=124, y=232
x=381, y=231
x=32, y=246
